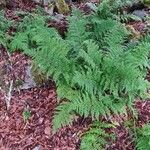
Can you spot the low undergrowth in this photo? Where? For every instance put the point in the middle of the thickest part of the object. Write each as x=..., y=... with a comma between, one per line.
x=98, y=71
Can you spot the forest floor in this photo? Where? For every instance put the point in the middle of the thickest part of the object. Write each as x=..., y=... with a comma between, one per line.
x=34, y=132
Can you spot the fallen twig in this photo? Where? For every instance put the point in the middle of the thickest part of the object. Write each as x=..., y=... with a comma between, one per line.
x=9, y=95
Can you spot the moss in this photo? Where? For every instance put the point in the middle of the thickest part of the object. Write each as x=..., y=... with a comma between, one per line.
x=147, y=2
x=2, y=3
x=39, y=77
x=18, y=83
x=62, y=7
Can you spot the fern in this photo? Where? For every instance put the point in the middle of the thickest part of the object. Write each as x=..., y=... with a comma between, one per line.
x=77, y=32
x=65, y=113
x=108, y=70
x=5, y=24
x=96, y=138
x=92, y=67
x=143, y=140
x=96, y=70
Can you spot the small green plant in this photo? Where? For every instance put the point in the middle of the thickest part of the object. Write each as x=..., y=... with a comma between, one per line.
x=26, y=115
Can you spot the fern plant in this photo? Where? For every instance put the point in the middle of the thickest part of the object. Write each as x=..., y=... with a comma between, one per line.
x=96, y=70
x=143, y=140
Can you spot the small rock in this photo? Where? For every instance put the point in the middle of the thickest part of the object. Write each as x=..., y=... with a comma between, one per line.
x=58, y=17
x=37, y=148
x=29, y=82
x=50, y=10
x=92, y=6
x=47, y=130
x=41, y=120
x=37, y=1
x=140, y=13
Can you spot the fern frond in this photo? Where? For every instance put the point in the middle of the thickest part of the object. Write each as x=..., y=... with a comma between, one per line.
x=58, y=122
x=143, y=141
x=20, y=42
x=96, y=137
x=77, y=32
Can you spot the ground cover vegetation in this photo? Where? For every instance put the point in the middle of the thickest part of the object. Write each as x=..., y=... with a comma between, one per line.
x=98, y=70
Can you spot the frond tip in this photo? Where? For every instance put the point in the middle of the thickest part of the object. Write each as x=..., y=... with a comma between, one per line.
x=62, y=117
